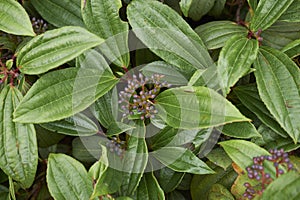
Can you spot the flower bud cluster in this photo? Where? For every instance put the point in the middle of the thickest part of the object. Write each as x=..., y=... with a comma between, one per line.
x=39, y=25
x=138, y=97
x=258, y=173
x=116, y=146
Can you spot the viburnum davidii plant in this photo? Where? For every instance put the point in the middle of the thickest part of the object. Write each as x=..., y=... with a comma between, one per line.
x=149, y=99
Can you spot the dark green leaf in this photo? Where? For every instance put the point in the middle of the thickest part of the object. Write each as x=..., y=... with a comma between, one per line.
x=195, y=107
x=4, y=193
x=195, y=9
x=60, y=13
x=46, y=138
x=18, y=144
x=278, y=81
x=48, y=101
x=67, y=178
x=219, y=157
x=169, y=179
x=102, y=18
x=53, y=48
x=219, y=192
x=218, y=8
x=292, y=49
x=14, y=19
x=149, y=188
x=239, y=130
x=292, y=14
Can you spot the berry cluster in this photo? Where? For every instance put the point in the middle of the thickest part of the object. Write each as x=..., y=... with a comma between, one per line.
x=39, y=25
x=138, y=97
x=116, y=146
x=257, y=171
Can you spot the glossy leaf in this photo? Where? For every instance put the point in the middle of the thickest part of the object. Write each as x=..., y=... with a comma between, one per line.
x=169, y=179
x=215, y=34
x=48, y=101
x=162, y=30
x=195, y=107
x=181, y=160
x=14, y=19
x=67, y=178
x=292, y=49
x=248, y=95
x=77, y=125
x=242, y=152
x=55, y=47
x=196, y=8
x=60, y=13
x=235, y=60
x=282, y=97
x=285, y=187
x=281, y=34
x=292, y=13
x=135, y=159
x=239, y=130
x=149, y=188
x=18, y=149
x=102, y=18
x=267, y=12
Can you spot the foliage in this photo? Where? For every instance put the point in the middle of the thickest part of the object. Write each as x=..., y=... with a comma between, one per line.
x=148, y=99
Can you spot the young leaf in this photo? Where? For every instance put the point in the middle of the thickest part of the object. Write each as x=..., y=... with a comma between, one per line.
x=18, y=144
x=53, y=48
x=48, y=101
x=195, y=9
x=195, y=107
x=215, y=34
x=51, y=11
x=67, y=178
x=161, y=29
x=102, y=18
x=181, y=160
x=267, y=12
x=235, y=60
x=77, y=125
x=149, y=188
x=285, y=187
x=292, y=49
x=282, y=97
x=14, y=19
x=292, y=14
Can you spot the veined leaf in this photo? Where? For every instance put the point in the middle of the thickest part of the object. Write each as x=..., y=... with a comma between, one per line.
x=284, y=187
x=135, y=159
x=18, y=144
x=92, y=59
x=77, y=125
x=60, y=13
x=215, y=34
x=239, y=130
x=195, y=107
x=163, y=30
x=116, y=128
x=63, y=93
x=181, y=160
x=169, y=179
x=196, y=8
x=149, y=188
x=292, y=49
x=218, y=191
x=235, y=60
x=252, y=4
x=14, y=19
x=206, y=78
x=292, y=14
x=102, y=18
x=55, y=47
x=267, y=12
x=67, y=178
x=278, y=81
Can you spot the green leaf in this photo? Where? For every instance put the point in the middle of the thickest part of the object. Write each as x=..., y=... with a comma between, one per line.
x=278, y=81
x=281, y=34
x=235, y=60
x=18, y=144
x=215, y=34
x=102, y=18
x=54, y=48
x=4, y=193
x=292, y=49
x=248, y=95
x=59, y=13
x=135, y=159
x=219, y=192
x=239, y=130
x=117, y=128
x=206, y=78
x=46, y=138
x=175, y=195
x=195, y=107
x=218, y=8
x=292, y=13
x=181, y=160
x=92, y=59
x=164, y=31
x=149, y=188
x=77, y=125
x=267, y=12
x=219, y=157
x=242, y=152
x=48, y=101
x=67, y=178
x=195, y=9
x=252, y=4
x=284, y=187
x=169, y=179
x=14, y=19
